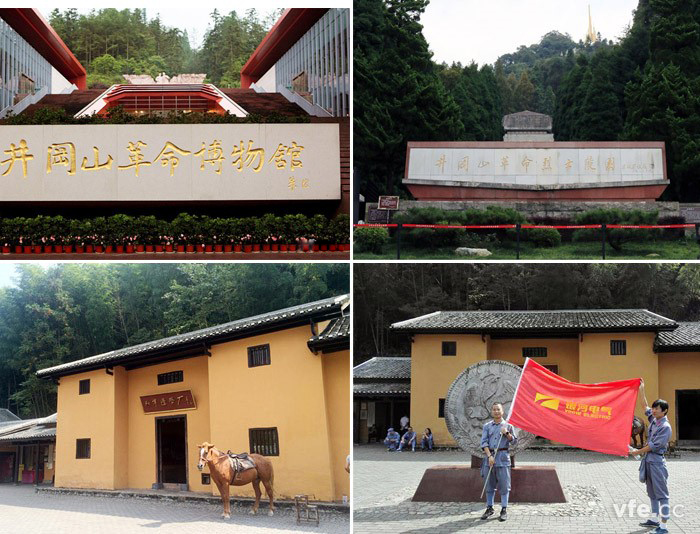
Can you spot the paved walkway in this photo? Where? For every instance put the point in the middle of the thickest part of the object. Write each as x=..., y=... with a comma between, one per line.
x=23, y=511
x=594, y=485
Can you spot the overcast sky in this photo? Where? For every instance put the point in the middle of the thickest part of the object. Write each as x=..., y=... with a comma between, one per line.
x=481, y=31
x=193, y=19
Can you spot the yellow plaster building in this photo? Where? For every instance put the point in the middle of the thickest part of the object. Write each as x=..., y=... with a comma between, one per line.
x=276, y=384
x=586, y=346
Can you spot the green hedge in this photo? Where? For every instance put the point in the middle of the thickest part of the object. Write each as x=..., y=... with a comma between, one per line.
x=617, y=236
x=184, y=229
x=425, y=237
x=371, y=239
x=541, y=237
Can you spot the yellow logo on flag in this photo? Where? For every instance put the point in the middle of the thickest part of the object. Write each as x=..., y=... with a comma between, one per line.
x=546, y=401
x=574, y=408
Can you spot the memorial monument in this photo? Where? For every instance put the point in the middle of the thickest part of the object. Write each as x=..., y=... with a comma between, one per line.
x=467, y=409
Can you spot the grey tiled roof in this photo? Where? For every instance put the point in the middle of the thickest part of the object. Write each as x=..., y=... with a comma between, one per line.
x=220, y=333
x=382, y=388
x=41, y=427
x=6, y=415
x=685, y=337
x=563, y=321
x=38, y=432
x=387, y=367
x=337, y=332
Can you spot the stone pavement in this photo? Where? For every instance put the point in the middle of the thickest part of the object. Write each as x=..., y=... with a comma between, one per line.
x=23, y=511
x=594, y=484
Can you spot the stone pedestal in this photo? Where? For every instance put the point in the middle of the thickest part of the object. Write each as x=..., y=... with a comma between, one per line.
x=448, y=483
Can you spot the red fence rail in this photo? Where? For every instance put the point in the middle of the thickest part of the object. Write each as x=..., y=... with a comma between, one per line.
x=603, y=227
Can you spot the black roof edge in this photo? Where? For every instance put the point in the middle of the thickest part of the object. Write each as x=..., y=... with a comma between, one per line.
x=328, y=345
x=677, y=348
x=523, y=331
x=291, y=322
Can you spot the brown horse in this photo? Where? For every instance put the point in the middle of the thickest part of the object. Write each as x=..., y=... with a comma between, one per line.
x=224, y=476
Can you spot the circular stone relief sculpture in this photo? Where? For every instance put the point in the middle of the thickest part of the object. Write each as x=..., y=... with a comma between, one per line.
x=469, y=400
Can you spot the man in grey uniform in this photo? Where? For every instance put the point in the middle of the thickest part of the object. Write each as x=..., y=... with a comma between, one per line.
x=496, y=437
x=655, y=463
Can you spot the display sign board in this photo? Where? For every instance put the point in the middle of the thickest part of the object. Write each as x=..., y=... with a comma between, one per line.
x=388, y=203
x=554, y=164
x=168, y=402
x=169, y=162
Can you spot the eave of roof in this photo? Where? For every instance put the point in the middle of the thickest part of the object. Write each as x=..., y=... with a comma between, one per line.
x=194, y=343
x=382, y=389
x=288, y=29
x=384, y=367
x=335, y=337
x=686, y=338
x=422, y=324
x=43, y=38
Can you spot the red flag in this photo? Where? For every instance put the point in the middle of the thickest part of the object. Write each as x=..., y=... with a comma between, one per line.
x=597, y=417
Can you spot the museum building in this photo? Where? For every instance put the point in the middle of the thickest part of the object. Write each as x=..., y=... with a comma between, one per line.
x=585, y=346
x=286, y=151
x=276, y=384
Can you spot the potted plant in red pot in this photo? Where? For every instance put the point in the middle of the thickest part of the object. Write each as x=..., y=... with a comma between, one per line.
x=120, y=228
x=187, y=230
x=165, y=231
x=341, y=231
x=147, y=233
x=203, y=237
x=217, y=234
x=5, y=236
x=270, y=231
x=246, y=227
x=316, y=225
x=98, y=229
x=234, y=227
x=13, y=232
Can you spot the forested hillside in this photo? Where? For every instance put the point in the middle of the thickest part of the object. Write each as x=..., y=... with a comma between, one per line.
x=644, y=87
x=112, y=42
x=72, y=311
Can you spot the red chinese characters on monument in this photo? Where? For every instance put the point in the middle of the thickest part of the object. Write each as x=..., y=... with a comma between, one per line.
x=168, y=402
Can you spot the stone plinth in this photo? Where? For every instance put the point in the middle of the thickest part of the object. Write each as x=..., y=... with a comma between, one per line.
x=448, y=483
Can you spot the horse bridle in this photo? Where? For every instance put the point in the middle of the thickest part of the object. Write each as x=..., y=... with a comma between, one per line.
x=204, y=459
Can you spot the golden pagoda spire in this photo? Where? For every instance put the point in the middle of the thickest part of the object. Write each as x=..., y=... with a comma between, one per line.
x=591, y=36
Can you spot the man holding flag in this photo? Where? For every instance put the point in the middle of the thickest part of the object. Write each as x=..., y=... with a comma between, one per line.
x=496, y=437
x=655, y=463
x=596, y=417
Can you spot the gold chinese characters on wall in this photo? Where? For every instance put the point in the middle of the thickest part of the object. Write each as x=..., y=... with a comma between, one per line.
x=168, y=402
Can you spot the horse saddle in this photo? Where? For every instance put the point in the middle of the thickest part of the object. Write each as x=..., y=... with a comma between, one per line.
x=240, y=462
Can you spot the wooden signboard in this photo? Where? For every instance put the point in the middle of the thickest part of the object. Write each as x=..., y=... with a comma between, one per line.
x=168, y=402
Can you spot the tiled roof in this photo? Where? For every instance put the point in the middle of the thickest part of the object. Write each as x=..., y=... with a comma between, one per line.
x=7, y=416
x=264, y=103
x=336, y=335
x=29, y=429
x=248, y=99
x=241, y=328
x=684, y=338
x=551, y=321
x=382, y=388
x=384, y=367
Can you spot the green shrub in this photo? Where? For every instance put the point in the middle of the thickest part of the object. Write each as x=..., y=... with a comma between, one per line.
x=340, y=227
x=426, y=237
x=544, y=237
x=617, y=236
x=371, y=239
